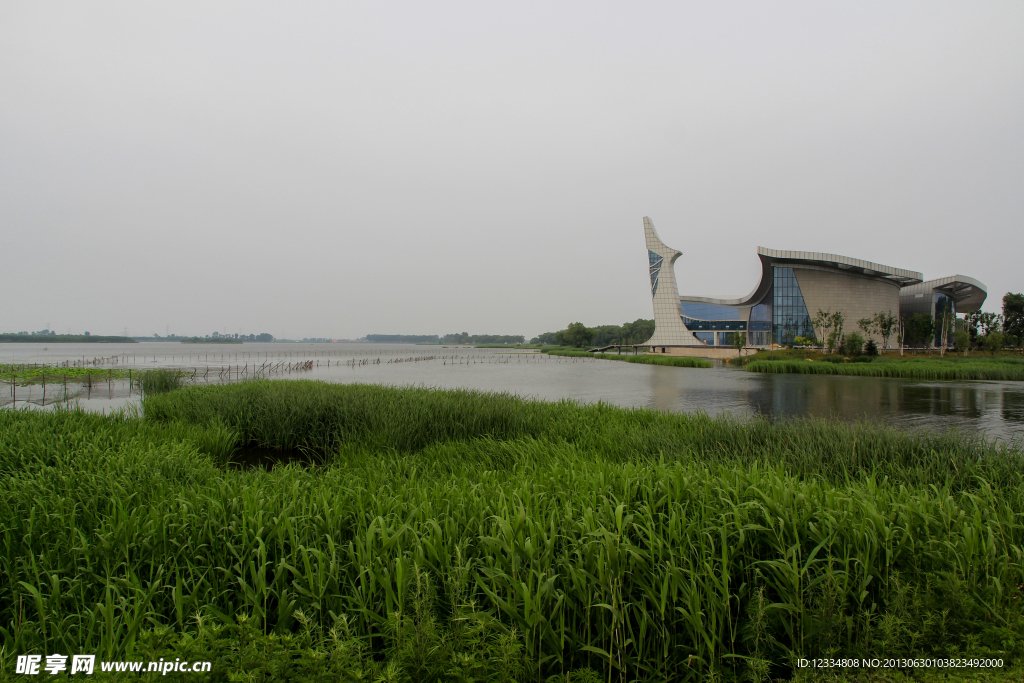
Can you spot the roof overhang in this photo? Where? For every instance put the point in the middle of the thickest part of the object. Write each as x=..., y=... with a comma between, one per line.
x=897, y=276
x=968, y=293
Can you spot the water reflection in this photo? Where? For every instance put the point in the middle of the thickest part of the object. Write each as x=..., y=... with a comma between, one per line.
x=992, y=408
x=996, y=408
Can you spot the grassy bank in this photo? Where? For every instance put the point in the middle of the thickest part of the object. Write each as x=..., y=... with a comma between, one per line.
x=917, y=367
x=453, y=535
x=645, y=359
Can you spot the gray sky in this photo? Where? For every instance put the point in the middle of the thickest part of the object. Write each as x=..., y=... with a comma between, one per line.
x=337, y=169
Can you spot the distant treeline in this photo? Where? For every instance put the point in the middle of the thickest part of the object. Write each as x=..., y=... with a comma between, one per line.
x=579, y=335
x=464, y=338
x=211, y=340
x=63, y=338
x=454, y=338
x=401, y=338
x=216, y=337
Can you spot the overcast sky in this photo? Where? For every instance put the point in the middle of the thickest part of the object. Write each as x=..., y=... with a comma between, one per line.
x=337, y=169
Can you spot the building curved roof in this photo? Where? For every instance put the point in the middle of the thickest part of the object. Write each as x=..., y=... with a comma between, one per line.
x=773, y=257
x=835, y=261
x=968, y=293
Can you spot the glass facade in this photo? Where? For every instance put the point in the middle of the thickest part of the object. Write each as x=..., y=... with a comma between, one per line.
x=760, y=325
x=692, y=324
x=708, y=311
x=789, y=313
x=709, y=318
x=655, y=270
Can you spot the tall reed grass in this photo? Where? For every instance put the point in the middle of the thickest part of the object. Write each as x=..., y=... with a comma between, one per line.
x=520, y=538
x=923, y=369
x=161, y=380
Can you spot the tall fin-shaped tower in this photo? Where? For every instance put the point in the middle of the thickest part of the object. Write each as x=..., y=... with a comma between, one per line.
x=669, y=329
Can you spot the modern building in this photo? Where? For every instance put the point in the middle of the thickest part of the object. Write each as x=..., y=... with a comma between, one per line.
x=955, y=294
x=794, y=286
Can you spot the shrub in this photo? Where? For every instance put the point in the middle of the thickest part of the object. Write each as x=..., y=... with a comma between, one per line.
x=871, y=348
x=853, y=344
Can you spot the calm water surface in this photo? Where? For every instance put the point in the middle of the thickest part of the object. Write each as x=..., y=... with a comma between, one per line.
x=995, y=409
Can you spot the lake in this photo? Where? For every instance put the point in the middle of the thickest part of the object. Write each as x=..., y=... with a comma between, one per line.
x=995, y=409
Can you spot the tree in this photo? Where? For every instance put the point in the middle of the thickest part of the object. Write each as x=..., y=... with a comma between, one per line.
x=636, y=332
x=990, y=322
x=867, y=326
x=577, y=334
x=994, y=341
x=885, y=323
x=820, y=322
x=835, y=338
x=739, y=340
x=853, y=344
x=943, y=323
x=962, y=340
x=1013, y=315
x=833, y=341
x=919, y=328
x=605, y=335
x=971, y=325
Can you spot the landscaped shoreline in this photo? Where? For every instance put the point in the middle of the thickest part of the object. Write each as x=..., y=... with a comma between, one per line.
x=947, y=367
x=501, y=535
x=644, y=359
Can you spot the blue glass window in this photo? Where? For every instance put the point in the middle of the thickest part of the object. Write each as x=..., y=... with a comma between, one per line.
x=692, y=324
x=706, y=337
x=789, y=313
x=761, y=313
x=760, y=324
x=708, y=311
x=656, y=262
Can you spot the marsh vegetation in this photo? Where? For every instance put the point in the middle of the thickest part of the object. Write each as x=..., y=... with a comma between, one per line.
x=456, y=535
x=1006, y=367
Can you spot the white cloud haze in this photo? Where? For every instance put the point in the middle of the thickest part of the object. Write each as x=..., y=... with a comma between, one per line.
x=338, y=169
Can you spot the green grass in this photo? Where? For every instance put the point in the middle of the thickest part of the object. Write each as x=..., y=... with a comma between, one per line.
x=454, y=535
x=33, y=374
x=645, y=359
x=910, y=368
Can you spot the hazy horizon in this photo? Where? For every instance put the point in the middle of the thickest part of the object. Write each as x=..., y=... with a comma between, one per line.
x=336, y=170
